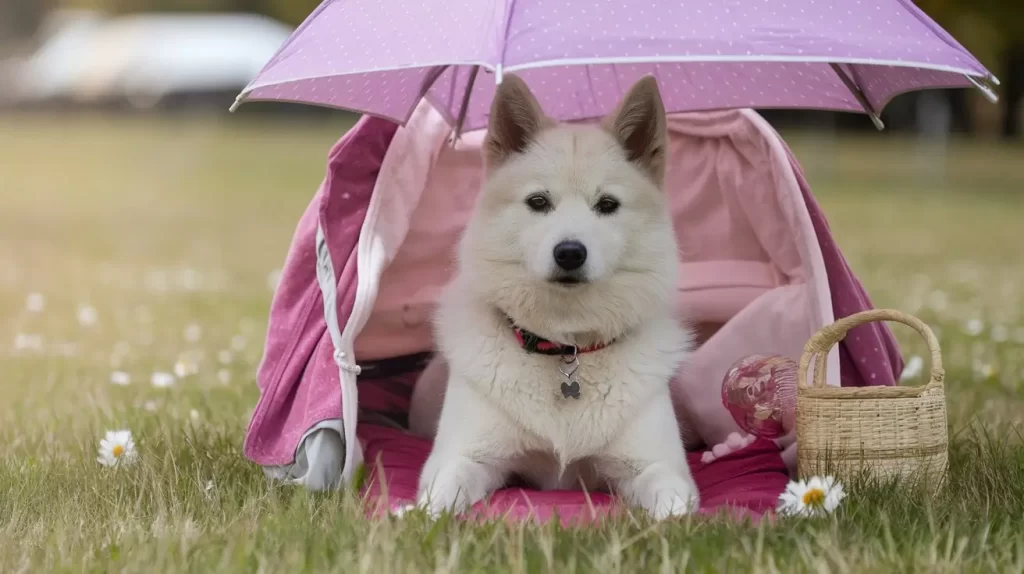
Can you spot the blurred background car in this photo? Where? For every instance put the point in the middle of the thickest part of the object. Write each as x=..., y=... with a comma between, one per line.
x=145, y=61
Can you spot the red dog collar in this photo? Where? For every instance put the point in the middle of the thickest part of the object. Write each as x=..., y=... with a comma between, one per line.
x=533, y=343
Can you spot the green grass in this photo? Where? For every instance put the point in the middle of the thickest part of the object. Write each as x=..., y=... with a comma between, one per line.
x=166, y=226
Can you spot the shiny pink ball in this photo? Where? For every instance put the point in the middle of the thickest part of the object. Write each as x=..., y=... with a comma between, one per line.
x=759, y=392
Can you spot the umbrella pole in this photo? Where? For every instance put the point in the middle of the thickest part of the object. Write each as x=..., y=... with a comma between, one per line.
x=464, y=108
x=859, y=94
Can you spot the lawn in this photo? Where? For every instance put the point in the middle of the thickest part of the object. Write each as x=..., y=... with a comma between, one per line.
x=146, y=245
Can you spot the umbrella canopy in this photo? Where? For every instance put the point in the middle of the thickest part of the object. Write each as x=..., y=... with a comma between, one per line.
x=381, y=57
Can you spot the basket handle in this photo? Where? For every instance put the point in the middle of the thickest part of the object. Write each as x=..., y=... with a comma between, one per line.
x=819, y=345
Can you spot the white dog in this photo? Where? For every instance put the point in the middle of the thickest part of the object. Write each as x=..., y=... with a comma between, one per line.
x=559, y=328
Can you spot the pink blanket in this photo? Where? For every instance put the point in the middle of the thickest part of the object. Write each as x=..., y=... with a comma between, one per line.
x=745, y=483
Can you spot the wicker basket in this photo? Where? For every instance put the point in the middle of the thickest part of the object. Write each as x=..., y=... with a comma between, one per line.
x=886, y=432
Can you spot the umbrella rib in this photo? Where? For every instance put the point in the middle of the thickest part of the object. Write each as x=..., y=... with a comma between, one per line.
x=428, y=82
x=862, y=99
x=429, y=79
x=761, y=59
x=464, y=107
x=499, y=71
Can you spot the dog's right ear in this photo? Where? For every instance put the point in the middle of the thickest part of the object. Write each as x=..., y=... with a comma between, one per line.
x=640, y=126
x=516, y=119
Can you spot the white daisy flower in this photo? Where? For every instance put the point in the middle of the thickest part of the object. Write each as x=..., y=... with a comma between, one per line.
x=35, y=302
x=238, y=343
x=28, y=342
x=180, y=369
x=194, y=415
x=87, y=315
x=151, y=406
x=193, y=333
x=815, y=497
x=162, y=380
x=974, y=327
x=983, y=369
x=912, y=369
x=400, y=510
x=187, y=365
x=224, y=376
x=273, y=278
x=120, y=378
x=224, y=357
x=117, y=449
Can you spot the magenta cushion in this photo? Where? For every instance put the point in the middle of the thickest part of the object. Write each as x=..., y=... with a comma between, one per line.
x=746, y=483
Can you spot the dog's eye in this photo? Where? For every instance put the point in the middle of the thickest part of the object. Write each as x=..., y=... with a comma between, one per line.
x=538, y=202
x=607, y=205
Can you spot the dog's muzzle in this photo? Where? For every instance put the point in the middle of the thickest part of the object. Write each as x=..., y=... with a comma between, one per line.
x=568, y=279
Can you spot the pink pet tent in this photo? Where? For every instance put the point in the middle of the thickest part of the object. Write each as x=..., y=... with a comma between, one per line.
x=350, y=324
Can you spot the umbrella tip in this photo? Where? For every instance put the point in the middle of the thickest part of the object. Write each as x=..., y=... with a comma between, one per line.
x=985, y=88
x=879, y=124
x=235, y=104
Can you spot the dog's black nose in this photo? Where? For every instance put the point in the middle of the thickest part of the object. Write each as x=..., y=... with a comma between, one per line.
x=570, y=255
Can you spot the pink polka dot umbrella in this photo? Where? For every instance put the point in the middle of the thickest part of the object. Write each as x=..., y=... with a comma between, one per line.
x=381, y=57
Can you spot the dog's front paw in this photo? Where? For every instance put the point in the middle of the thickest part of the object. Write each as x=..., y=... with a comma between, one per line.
x=436, y=501
x=455, y=487
x=667, y=496
x=671, y=504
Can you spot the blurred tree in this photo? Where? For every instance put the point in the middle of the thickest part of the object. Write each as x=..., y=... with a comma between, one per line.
x=1007, y=16
x=19, y=19
x=993, y=30
x=289, y=11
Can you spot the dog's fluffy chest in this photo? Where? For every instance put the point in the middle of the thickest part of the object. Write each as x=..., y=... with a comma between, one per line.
x=615, y=383
x=528, y=389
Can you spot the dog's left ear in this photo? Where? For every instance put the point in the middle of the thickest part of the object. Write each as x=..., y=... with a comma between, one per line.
x=640, y=127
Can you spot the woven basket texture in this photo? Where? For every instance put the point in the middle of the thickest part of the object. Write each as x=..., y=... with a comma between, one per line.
x=887, y=432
